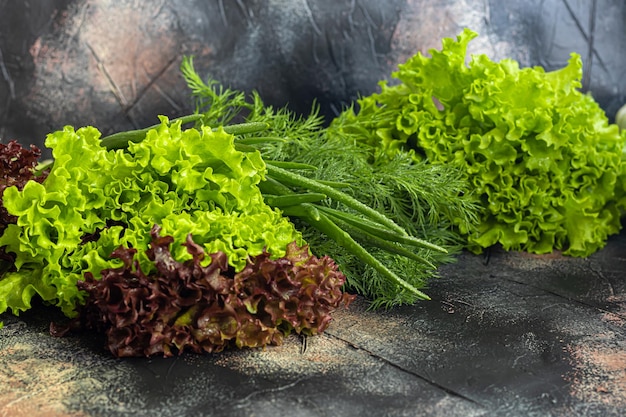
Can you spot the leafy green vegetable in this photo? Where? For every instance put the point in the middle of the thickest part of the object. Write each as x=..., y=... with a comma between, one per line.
x=18, y=165
x=547, y=167
x=366, y=216
x=95, y=200
x=183, y=306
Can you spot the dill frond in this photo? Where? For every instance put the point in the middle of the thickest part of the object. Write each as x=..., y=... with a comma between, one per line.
x=431, y=202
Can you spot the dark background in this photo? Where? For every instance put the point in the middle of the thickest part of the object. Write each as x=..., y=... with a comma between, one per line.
x=115, y=64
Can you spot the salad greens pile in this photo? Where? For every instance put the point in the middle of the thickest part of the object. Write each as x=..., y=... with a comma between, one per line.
x=216, y=187
x=240, y=190
x=95, y=200
x=547, y=167
x=248, y=225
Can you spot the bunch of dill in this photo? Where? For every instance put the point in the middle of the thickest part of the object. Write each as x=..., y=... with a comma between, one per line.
x=431, y=202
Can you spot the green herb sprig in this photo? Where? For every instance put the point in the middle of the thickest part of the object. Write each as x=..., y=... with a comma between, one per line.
x=364, y=215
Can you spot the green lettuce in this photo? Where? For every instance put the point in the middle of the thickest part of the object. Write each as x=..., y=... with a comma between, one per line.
x=95, y=200
x=541, y=156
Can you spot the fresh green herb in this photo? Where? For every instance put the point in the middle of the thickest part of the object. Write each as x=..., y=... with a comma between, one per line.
x=540, y=155
x=388, y=226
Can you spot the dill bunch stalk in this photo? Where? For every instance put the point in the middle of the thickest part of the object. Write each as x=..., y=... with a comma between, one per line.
x=430, y=203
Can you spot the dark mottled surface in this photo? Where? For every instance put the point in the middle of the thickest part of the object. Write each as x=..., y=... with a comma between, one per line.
x=513, y=334
x=115, y=64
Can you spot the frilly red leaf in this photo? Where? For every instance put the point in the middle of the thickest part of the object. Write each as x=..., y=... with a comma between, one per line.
x=185, y=306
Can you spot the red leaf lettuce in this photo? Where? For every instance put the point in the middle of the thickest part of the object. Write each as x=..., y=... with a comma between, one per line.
x=187, y=306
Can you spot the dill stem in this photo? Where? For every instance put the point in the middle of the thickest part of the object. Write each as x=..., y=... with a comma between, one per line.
x=286, y=200
x=291, y=178
x=374, y=229
x=322, y=223
x=120, y=140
